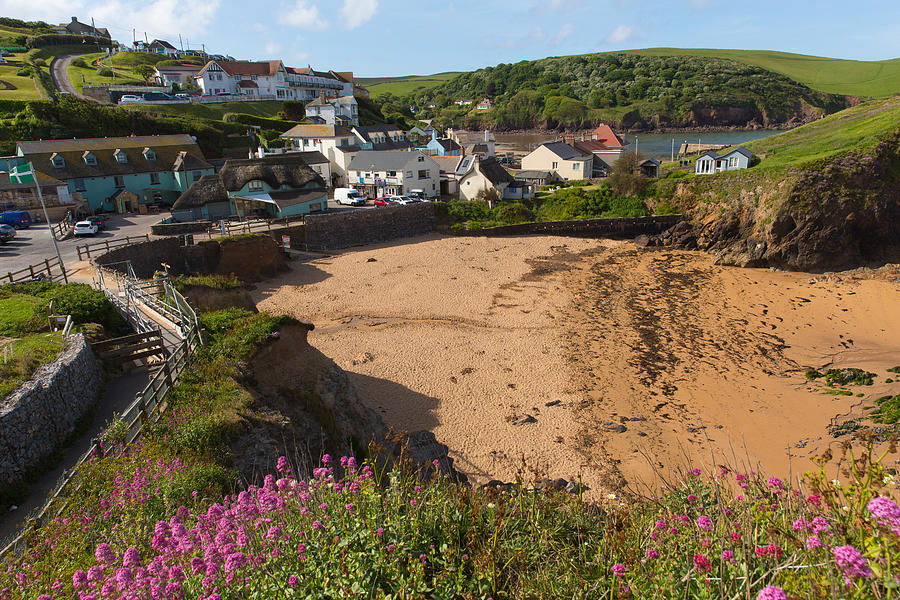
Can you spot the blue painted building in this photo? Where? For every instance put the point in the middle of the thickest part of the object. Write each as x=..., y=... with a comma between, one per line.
x=711, y=162
x=276, y=186
x=157, y=169
x=442, y=147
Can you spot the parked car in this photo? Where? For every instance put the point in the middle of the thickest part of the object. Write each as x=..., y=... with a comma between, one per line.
x=20, y=219
x=384, y=202
x=98, y=220
x=419, y=194
x=7, y=232
x=130, y=99
x=349, y=196
x=404, y=200
x=85, y=228
x=156, y=96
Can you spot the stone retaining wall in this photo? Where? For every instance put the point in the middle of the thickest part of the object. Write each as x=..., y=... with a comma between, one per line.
x=331, y=231
x=180, y=228
x=41, y=414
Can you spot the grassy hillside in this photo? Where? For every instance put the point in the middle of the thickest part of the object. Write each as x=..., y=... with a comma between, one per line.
x=14, y=86
x=215, y=112
x=875, y=79
x=402, y=86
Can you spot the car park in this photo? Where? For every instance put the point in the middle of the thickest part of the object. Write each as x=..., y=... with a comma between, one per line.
x=7, y=232
x=85, y=228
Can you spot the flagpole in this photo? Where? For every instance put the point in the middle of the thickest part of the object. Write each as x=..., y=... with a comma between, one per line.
x=37, y=186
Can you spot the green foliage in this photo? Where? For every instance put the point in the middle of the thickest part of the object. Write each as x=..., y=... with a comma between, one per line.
x=812, y=374
x=28, y=353
x=21, y=314
x=292, y=110
x=626, y=178
x=888, y=411
x=513, y=213
x=219, y=282
x=145, y=72
x=589, y=203
x=86, y=305
x=79, y=62
x=666, y=208
x=105, y=72
x=848, y=376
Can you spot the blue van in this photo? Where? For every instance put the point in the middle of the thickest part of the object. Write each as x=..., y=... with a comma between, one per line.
x=20, y=219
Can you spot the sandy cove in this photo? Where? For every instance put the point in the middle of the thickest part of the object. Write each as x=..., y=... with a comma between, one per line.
x=592, y=358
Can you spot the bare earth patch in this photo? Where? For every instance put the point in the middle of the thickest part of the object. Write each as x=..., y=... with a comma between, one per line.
x=590, y=358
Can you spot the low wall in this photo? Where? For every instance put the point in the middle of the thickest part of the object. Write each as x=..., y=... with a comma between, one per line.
x=146, y=257
x=41, y=413
x=180, y=228
x=628, y=227
x=331, y=231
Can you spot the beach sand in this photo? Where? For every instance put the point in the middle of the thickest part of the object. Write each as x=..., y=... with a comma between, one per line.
x=573, y=358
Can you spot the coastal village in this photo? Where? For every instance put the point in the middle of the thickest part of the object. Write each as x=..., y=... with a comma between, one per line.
x=277, y=331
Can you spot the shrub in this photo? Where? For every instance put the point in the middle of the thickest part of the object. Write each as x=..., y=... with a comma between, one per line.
x=24, y=72
x=665, y=208
x=676, y=174
x=513, y=213
x=105, y=72
x=86, y=305
x=39, y=62
x=79, y=62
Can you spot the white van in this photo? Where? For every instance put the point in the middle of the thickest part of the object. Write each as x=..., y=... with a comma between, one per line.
x=349, y=196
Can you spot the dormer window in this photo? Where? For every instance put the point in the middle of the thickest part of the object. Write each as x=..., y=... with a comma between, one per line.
x=421, y=158
x=89, y=159
x=58, y=161
x=121, y=157
x=149, y=154
x=255, y=186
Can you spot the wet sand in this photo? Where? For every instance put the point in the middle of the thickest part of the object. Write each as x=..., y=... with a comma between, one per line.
x=568, y=357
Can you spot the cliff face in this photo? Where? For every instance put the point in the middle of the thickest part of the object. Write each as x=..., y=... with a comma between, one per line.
x=838, y=214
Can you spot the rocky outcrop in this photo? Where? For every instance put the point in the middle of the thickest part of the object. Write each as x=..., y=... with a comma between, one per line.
x=41, y=414
x=840, y=214
x=305, y=405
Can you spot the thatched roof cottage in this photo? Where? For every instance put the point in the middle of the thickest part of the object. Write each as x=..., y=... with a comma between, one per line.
x=274, y=186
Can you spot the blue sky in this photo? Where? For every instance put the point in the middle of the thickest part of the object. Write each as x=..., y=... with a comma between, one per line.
x=402, y=37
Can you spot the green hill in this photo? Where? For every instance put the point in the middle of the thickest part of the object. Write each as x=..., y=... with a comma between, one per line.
x=875, y=79
x=402, y=86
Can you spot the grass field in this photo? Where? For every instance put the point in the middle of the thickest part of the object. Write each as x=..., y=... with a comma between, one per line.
x=858, y=128
x=874, y=79
x=24, y=86
x=264, y=108
x=81, y=76
x=401, y=86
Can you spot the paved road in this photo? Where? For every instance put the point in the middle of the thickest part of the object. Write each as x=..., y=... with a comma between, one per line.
x=31, y=246
x=59, y=70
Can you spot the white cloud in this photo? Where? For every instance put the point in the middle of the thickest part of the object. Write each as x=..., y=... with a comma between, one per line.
x=533, y=36
x=357, y=12
x=564, y=33
x=305, y=15
x=619, y=35
x=272, y=49
x=259, y=27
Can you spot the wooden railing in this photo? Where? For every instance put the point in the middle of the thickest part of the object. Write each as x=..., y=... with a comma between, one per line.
x=147, y=406
x=49, y=269
x=61, y=230
x=253, y=225
x=85, y=250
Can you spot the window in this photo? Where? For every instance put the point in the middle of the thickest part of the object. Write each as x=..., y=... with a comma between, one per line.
x=409, y=173
x=149, y=154
x=58, y=161
x=121, y=157
x=255, y=186
x=392, y=173
x=306, y=142
x=555, y=165
x=154, y=178
x=423, y=174
x=575, y=166
x=196, y=175
x=237, y=77
x=119, y=181
x=316, y=142
x=344, y=142
x=421, y=159
x=80, y=186
x=254, y=77
x=90, y=159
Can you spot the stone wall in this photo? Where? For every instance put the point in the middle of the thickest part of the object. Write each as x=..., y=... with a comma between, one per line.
x=41, y=413
x=331, y=231
x=146, y=257
x=622, y=228
x=180, y=228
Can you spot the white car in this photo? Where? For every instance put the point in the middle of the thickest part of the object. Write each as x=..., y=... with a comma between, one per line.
x=404, y=200
x=85, y=228
x=131, y=99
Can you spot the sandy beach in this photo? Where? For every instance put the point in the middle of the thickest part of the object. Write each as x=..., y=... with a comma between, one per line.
x=592, y=358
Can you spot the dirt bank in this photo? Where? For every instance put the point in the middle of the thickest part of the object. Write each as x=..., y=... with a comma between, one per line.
x=589, y=358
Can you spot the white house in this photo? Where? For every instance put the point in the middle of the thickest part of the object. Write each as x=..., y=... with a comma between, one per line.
x=332, y=141
x=385, y=173
x=180, y=74
x=270, y=78
x=712, y=162
x=381, y=137
x=343, y=110
x=475, y=143
x=560, y=159
x=488, y=173
x=163, y=47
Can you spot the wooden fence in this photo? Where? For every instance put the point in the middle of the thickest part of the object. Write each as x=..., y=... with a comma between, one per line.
x=121, y=350
x=49, y=269
x=85, y=251
x=61, y=230
x=254, y=225
x=146, y=409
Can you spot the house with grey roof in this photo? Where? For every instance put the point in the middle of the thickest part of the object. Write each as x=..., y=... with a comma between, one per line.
x=488, y=173
x=388, y=173
x=712, y=162
x=75, y=27
x=271, y=187
x=381, y=137
x=155, y=168
x=343, y=111
x=560, y=159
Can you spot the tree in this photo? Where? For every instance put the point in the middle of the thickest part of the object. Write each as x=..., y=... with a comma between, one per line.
x=145, y=72
x=488, y=195
x=625, y=178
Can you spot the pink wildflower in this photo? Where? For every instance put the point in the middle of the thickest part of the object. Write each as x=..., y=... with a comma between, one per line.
x=652, y=554
x=852, y=563
x=727, y=555
x=772, y=592
x=702, y=563
x=293, y=581
x=704, y=523
x=618, y=570
x=813, y=542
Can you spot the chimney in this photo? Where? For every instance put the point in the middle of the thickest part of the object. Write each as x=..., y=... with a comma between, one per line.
x=74, y=19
